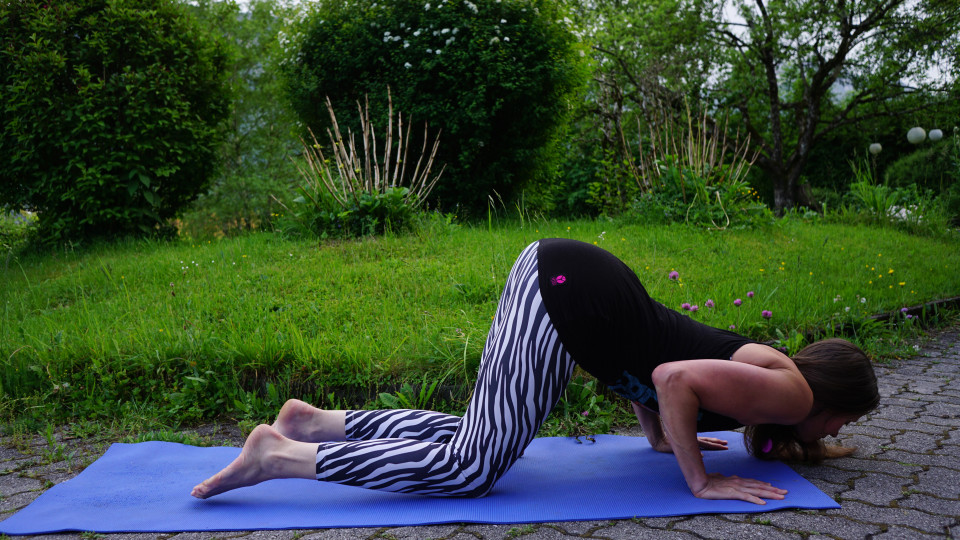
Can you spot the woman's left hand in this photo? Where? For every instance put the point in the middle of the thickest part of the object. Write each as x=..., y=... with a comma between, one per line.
x=705, y=443
x=711, y=443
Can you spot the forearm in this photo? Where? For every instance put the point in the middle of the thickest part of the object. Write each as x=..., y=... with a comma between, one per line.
x=650, y=424
x=678, y=411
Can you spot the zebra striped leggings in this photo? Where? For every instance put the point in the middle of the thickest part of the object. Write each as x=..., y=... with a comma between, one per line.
x=523, y=372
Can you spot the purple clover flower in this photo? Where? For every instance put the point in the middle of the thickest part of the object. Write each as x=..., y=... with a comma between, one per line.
x=733, y=327
x=903, y=310
x=694, y=307
x=737, y=302
x=766, y=314
x=750, y=294
x=674, y=275
x=685, y=305
x=709, y=304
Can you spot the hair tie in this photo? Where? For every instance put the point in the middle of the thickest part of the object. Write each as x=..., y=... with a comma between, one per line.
x=767, y=446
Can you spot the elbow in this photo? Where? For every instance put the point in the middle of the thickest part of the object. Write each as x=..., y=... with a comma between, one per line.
x=667, y=377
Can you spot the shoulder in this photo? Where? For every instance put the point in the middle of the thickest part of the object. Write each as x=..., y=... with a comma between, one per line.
x=765, y=356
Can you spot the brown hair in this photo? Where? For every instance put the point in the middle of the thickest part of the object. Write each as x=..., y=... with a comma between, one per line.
x=842, y=380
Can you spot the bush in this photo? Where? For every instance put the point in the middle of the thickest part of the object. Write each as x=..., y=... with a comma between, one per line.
x=109, y=112
x=494, y=75
x=15, y=230
x=934, y=168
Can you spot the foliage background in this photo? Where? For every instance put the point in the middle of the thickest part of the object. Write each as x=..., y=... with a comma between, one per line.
x=110, y=113
x=496, y=77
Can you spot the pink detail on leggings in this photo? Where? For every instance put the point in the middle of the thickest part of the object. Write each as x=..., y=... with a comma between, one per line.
x=558, y=280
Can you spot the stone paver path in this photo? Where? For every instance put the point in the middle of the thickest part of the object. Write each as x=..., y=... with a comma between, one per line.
x=904, y=482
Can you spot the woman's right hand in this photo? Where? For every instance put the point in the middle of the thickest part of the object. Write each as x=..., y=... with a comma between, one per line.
x=735, y=488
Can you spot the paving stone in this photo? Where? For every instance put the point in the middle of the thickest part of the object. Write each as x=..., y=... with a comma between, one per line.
x=627, y=530
x=932, y=505
x=917, y=442
x=422, y=532
x=904, y=533
x=905, y=426
x=579, y=528
x=891, y=412
x=882, y=464
x=18, y=484
x=865, y=513
x=939, y=421
x=833, y=490
x=18, y=500
x=939, y=482
x=943, y=410
x=663, y=522
x=838, y=526
x=826, y=472
x=721, y=529
x=341, y=534
x=878, y=489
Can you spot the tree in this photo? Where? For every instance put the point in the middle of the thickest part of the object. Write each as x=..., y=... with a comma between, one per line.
x=260, y=132
x=796, y=71
x=109, y=113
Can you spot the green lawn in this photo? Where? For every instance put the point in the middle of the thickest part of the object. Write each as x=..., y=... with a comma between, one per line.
x=187, y=331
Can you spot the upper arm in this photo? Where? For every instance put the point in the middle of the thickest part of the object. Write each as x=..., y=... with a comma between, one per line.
x=772, y=392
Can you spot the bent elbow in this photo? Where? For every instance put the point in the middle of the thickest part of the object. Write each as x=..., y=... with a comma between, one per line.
x=667, y=376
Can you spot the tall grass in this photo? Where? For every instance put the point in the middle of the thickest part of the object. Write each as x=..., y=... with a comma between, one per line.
x=186, y=331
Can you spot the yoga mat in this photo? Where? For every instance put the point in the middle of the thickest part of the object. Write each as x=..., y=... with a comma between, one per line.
x=145, y=487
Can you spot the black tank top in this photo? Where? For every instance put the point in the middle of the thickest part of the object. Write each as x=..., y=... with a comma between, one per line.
x=615, y=331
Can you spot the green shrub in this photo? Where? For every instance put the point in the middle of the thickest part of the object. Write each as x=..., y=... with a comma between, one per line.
x=494, y=75
x=935, y=168
x=15, y=230
x=109, y=111
x=910, y=207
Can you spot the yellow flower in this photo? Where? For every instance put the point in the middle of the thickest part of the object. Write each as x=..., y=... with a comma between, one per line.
x=902, y=283
x=890, y=271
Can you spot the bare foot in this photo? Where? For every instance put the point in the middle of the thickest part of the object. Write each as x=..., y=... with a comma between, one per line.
x=263, y=457
x=303, y=422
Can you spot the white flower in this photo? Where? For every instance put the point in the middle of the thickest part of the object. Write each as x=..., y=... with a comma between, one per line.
x=847, y=309
x=417, y=33
x=429, y=51
x=494, y=40
x=445, y=31
x=503, y=21
x=471, y=6
x=506, y=38
x=407, y=65
x=426, y=7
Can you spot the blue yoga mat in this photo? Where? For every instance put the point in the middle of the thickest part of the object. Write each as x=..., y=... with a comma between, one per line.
x=145, y=487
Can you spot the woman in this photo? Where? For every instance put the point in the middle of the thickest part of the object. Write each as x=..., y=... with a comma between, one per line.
x=564, y=302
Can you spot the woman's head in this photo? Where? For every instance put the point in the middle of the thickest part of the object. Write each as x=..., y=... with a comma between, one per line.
x=840, y=375
x=844, y=387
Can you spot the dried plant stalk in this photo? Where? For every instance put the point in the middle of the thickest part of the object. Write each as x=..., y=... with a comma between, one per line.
x=357, y=173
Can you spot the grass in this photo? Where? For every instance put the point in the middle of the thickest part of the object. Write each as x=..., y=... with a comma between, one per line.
x=185, y=331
